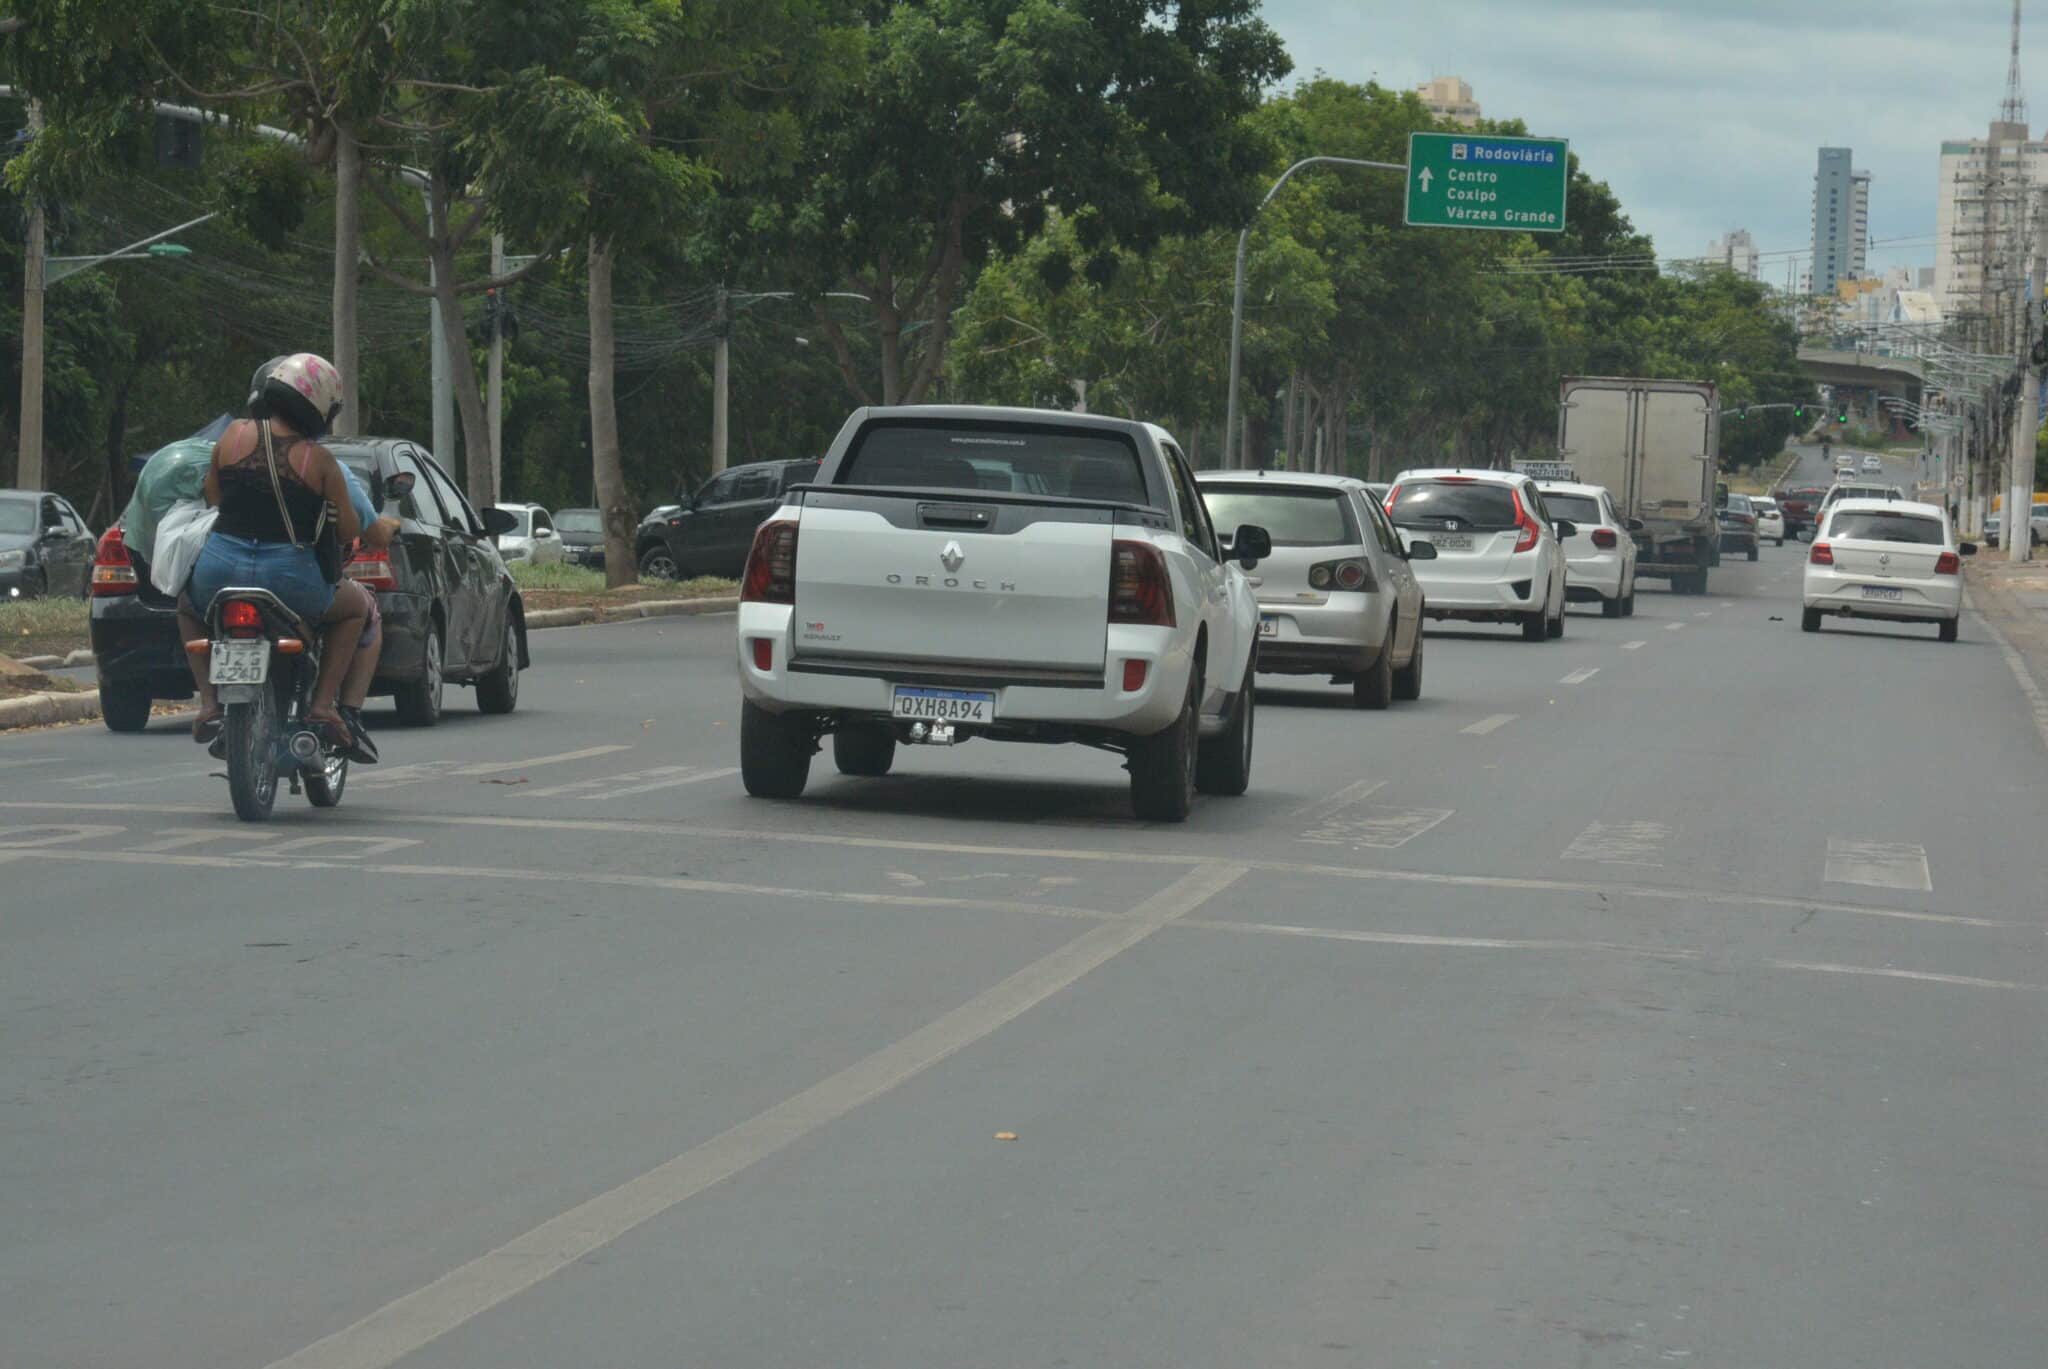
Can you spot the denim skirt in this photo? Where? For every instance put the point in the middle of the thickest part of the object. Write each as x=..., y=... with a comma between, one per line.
x=291, y=573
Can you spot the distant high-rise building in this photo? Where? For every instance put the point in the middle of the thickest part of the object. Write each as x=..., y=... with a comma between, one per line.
x=1971, y=179
x=1449, y=97
x=1737, y=252
x=1841, y=219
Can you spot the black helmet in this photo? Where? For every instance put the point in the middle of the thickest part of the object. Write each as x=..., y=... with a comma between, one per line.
x=302, y=389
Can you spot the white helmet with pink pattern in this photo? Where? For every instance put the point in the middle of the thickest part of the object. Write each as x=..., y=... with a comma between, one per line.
x=302, y=389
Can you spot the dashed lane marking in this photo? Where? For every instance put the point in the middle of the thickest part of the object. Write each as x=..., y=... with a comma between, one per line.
x=1923, y=976
x=423, y=771
x=1620, y=843
x=1878, y=864
x=1477, y=943
x=507, y=767
x=1365, y=874
x=1703, y=613
x=1349, y=794
x=1486, y=725
x=406, y=1324
x=1674, y=627
x=1633, y=646
x=630, y=783
x=1581, y=676
x=31, y=760
x=52, y=834
x=634, y=789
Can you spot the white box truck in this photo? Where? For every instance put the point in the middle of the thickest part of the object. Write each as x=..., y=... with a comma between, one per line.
x=1655, y=445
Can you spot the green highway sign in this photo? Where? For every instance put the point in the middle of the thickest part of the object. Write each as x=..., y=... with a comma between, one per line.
x=1479, y=180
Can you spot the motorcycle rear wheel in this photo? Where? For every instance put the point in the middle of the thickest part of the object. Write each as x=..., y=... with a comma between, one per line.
x=250, y=733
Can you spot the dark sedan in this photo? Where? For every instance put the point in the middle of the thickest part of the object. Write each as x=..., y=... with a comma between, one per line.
x=44, y=547
x=451, y=612
x=582, y=534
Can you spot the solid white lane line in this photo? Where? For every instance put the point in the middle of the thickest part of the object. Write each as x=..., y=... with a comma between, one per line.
x=698, y=778
x=1369, y=874
x=1620, y=843
x=1633, y=646
x=1486, y=725
x=1925, y=977
x=1581, y=676
x=31, y=760
x=1878, y=864
x=1349, y=794
x=584, y=788
x=1674, y=627
x=506, y=767
x=408, y=1323
x=1478, y=943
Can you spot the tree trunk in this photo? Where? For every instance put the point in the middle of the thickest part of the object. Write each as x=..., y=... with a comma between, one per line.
x=608, y=475
x=1289, y=429
x=348, y=247
x=117, y=444
x=462, y=376
x=889, y=333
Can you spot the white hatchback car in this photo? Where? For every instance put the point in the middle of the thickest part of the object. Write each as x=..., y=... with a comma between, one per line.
x=1600, y=563
x=1499, y=557
x=1337, y=596
x=1872, y=463
x=534, y=541
x=1888, y=559
x=1770, y=519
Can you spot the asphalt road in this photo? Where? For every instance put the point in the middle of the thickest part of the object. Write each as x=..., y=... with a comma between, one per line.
x=1674, y=993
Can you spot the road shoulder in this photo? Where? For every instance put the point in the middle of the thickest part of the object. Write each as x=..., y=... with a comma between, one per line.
x=2013, y=601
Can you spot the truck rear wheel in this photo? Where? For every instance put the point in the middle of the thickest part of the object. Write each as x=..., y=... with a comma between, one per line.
x=1223, y=763
x=1163, y=765
x=775, y=752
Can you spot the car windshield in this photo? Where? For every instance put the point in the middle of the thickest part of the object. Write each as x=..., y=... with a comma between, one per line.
x=1454, y=503
x=1295, y=518
x=999, y=458
x=579, y=520
x=1884, y=526
x=1577, y=508
x=17, y=515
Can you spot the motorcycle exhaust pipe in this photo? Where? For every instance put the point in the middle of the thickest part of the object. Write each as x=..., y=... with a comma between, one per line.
x=305, y=747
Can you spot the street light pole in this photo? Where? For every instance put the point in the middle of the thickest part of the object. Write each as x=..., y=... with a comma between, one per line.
x=721, y=384
x=1231, y=456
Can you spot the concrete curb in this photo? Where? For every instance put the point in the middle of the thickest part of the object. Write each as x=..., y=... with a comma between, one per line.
x=40, y=710
x=653, y=608
x=76, y=658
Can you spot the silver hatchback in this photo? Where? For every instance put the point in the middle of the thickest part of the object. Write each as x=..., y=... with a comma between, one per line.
x=1336, y=597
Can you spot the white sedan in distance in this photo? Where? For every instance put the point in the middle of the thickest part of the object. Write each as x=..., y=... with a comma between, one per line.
x=1887, y=559
x=1872, y=463
x=1770, y=519
x=1499, y=557
x=1600, y=563
x=534, y=540
x=1337, y=596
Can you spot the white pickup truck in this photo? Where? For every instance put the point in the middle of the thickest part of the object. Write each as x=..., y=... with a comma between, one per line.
x=1015, y=574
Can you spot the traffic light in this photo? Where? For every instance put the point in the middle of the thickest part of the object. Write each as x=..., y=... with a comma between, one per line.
x=1843, y=416
x=1798, y=411
x=1742, y=412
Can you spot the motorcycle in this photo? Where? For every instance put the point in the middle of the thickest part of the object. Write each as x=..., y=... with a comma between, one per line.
x=263, y=660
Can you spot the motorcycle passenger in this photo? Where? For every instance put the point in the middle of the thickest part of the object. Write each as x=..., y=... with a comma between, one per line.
x=273, y=483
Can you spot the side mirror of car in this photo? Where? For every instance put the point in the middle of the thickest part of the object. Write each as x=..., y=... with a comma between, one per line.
x=1566, y=529
x=1633, y=524
x=1422, y=551
x=497, y=522
x=543, y=532
x=1252, y=545
x=399, y=485
x=1967, y=549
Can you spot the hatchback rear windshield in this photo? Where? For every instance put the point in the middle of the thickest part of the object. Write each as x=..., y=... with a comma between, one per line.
x=1739, y=503
x=1000, y=458
x=579, y=520
x=1295, y=518
x=1888, y=527
x=1446, y=504
x=1576, y=508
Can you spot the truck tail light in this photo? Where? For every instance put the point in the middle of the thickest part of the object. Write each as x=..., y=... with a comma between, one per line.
x=771, y=565
x=1605, y=539
x=371, y=568
x=1528, y=525
x=1948, y=563
x=1821, y=555
x=112, y=571
x=1139, y=590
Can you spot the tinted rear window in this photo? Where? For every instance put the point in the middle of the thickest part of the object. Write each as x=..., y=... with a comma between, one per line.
x=1000, y=458
x=1440, y=504
x=1888, y=527
x=1574, y=508
x=579, y=520
x=1295, y=518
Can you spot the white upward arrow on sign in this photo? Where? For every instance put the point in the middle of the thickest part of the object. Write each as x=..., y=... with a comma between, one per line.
x=1426, y=177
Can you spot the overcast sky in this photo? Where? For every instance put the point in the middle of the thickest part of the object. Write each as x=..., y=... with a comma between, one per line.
x=1707, y=116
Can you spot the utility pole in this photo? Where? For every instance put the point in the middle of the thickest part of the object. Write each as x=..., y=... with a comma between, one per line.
x=721, y=383
x=28, y=466
x=497, y=367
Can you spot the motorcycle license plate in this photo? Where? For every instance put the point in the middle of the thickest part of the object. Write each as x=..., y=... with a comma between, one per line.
x=943, y=705
x=241, y=662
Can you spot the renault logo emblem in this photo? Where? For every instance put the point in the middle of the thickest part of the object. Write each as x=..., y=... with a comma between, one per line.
x=952, y=557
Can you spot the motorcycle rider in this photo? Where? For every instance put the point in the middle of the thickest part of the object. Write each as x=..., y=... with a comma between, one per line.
x=267, y=469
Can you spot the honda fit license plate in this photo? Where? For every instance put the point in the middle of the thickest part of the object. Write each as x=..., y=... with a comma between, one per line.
x=943, y=705
x=240, y=662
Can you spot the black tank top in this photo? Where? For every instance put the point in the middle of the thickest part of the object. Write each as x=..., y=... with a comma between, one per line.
x=248, y=504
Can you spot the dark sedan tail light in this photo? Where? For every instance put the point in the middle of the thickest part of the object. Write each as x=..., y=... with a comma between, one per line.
x=112, y=571
x=372, y=569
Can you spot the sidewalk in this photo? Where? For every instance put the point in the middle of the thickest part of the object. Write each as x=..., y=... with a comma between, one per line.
x=2013, y=600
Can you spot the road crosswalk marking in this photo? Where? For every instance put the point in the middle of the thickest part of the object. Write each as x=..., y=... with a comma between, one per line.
x=1633, y=646
x=1375, y=826
x=1878, y=865
x=1581, y=676
x=1674, y=627
x=1620, y=843
x=1493, y=724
